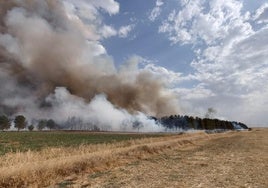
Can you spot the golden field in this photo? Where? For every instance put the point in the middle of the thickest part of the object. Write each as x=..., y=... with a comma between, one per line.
x=230, y=159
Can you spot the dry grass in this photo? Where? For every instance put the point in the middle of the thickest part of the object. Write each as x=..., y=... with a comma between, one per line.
x=50, y=165
x=237, y=159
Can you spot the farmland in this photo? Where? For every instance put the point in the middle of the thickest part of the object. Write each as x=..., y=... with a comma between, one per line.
x=229, y=159
x=234, y=160
x=35, y=141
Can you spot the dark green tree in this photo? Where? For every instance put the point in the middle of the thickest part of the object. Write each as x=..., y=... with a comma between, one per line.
x=20, y=122
x=51, y=124
x=191, y=122
x=4, y=122
x=42, y=124
x=31, y=128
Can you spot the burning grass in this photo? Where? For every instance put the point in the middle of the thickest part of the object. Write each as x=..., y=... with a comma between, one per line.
x=49, y=165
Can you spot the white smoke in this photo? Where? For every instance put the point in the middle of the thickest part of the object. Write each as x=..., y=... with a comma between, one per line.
x=99, y=111
x=52, y=65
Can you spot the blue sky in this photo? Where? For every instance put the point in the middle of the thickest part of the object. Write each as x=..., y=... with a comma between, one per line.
x=144, y=39
x=214, y=52
x=211, y=53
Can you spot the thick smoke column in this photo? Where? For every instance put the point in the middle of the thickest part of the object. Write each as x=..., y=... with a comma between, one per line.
x=42, y=48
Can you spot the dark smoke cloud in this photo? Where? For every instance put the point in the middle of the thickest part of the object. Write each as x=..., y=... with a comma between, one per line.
x=43, y=48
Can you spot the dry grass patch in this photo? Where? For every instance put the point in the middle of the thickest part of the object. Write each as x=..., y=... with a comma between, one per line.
x=52, y=164
x=237, y=159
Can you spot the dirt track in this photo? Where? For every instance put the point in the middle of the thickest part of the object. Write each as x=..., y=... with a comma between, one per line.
x=239, y=159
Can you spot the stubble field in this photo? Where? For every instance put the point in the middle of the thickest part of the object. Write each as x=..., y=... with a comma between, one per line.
x=231, y=159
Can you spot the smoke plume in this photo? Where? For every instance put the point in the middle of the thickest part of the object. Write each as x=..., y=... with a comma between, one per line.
x=47, y=54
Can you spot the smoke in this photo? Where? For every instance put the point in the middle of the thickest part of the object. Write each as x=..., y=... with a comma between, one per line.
x=50, y=65
x=99, y=112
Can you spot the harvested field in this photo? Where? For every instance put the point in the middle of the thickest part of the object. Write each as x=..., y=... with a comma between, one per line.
x=236, y=159
x=232, y=159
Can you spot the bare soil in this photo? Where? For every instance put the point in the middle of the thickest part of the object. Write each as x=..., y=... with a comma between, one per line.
x=236, y=159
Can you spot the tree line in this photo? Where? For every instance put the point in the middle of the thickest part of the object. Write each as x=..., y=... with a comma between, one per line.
x=175, y=122
x=20, y=122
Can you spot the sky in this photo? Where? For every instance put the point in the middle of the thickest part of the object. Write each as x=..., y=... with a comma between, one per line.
x=211, y=53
